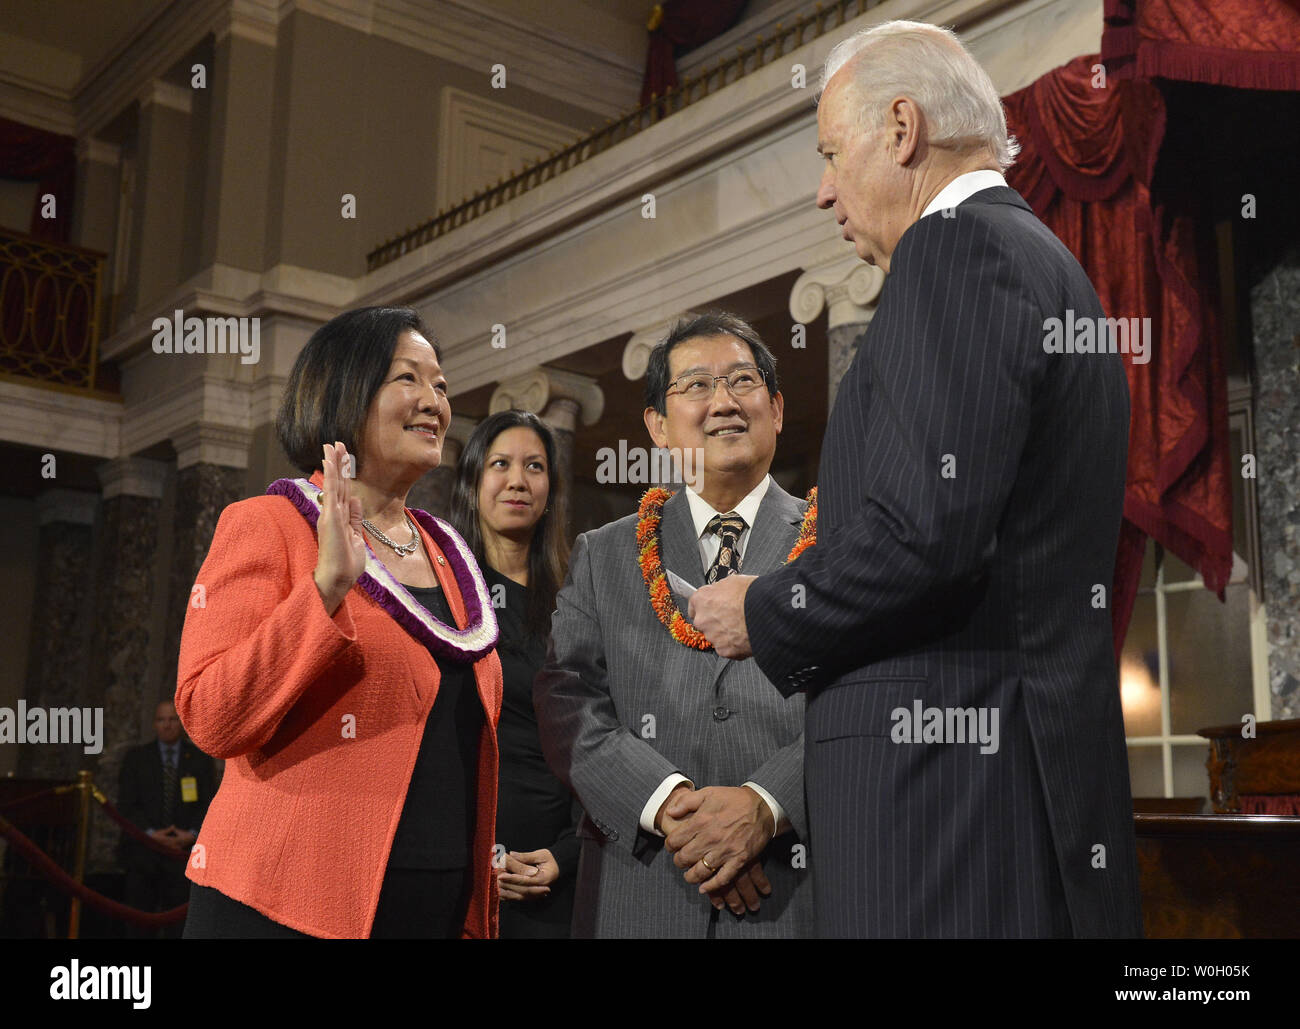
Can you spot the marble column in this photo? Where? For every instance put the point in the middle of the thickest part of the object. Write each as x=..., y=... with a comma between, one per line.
x=562, y=399
x=561, y=416
x=433, y=491
x=124, y=597
x=59, y=655
x=848, y=289
x=211, y=473
x=636, y=360
x=1275, y=316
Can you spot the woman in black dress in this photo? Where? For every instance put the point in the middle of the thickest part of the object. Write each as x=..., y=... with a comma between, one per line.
x=509, y=506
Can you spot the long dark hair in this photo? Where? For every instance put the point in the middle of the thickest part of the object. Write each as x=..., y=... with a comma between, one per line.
x=548, y=552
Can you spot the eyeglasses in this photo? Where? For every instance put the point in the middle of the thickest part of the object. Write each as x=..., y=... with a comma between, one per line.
x=699, y=386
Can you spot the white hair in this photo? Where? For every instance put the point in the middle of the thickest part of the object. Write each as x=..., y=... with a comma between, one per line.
x=929, y=65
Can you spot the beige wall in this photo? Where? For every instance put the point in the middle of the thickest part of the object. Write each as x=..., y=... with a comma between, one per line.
x=359, y=114
x=237, y=193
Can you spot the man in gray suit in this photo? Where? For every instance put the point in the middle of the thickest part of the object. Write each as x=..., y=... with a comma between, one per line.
x=690, y=766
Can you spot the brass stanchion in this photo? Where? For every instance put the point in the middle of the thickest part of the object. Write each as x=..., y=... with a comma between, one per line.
x=84, y=788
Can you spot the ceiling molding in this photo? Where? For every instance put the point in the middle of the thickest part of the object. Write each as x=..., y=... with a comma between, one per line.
x=127, y=71
x=33, y=103
x=225, y=291
x=535, y=57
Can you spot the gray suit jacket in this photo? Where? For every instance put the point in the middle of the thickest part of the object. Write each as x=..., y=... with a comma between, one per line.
x=622, y=705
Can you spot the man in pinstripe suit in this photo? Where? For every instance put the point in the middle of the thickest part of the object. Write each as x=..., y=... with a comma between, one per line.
x=970, y=494
x=659, y=739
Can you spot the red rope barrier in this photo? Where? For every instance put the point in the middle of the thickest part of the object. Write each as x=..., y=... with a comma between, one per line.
x=42, y=863
x=136, y=833
x=26, y=799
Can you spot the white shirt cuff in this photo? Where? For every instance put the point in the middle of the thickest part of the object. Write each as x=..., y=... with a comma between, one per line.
x=778, y=813
x=657, y=798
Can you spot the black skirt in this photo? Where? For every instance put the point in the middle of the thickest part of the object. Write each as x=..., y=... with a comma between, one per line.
x=414, y=904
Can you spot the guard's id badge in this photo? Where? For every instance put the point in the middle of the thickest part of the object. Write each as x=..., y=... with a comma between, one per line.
x=189, y=789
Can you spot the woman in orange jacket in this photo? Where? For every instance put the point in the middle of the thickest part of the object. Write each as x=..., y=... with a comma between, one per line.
x=354, y=692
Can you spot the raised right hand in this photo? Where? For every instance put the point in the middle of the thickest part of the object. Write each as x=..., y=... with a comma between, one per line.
x=341, y=554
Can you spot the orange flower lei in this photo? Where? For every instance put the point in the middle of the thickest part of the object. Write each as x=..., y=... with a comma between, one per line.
x=656, y=579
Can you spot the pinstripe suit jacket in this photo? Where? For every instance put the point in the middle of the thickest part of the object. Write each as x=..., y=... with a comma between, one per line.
x=622, y=706
x=970, y=494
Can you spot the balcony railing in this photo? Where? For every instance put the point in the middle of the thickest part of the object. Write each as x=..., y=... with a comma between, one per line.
x=49, y=310
x=708, y=80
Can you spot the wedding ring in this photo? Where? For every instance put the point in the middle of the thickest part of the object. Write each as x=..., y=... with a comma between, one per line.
x=705, y=862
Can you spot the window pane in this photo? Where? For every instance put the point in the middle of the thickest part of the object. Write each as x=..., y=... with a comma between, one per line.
x=1191, y=779
x=1209, y=658
x=1176, y=570
x=1146, y=772
x=1139, y=671
x=1240, y=541
x=1148, y=578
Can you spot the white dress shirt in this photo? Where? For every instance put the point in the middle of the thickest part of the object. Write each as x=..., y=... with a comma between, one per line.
x=710, y=543
x=964, y=186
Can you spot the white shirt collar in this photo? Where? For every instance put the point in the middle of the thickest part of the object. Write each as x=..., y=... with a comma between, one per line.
x=964, y=186
x=701, y=511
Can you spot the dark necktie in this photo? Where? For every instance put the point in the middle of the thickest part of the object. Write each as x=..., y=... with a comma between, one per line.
x=169, y=786
x=728, y=528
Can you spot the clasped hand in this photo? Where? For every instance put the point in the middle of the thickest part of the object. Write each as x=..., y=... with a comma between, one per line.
x=173, y=837
x=716, y=835
x=527, y=875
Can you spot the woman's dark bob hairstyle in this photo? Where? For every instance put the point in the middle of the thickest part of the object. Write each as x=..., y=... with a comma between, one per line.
x=336, y=377
x=548, y=555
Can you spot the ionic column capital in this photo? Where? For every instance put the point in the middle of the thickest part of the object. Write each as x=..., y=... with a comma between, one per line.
x=636, y=351
x=847, y=286
x=539, y=390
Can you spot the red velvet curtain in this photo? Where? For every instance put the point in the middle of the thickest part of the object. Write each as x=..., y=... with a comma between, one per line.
x=1248, y=44
x=686, y=24
x=1088, y=154
x=50, y=159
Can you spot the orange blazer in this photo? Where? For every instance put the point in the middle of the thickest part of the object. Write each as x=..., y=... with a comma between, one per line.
x=320, y=718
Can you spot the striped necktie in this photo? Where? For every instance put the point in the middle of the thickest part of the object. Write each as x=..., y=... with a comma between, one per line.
x=728, y=528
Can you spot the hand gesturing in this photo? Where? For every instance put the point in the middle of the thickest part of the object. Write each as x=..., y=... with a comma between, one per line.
x=341, y=555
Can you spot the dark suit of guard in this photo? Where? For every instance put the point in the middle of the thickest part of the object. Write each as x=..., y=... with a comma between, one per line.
x=156, y=882
x=970, y=494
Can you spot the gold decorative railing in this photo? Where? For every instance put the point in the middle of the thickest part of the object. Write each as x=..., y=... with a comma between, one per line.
x=49, y=310
x=708, y=80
